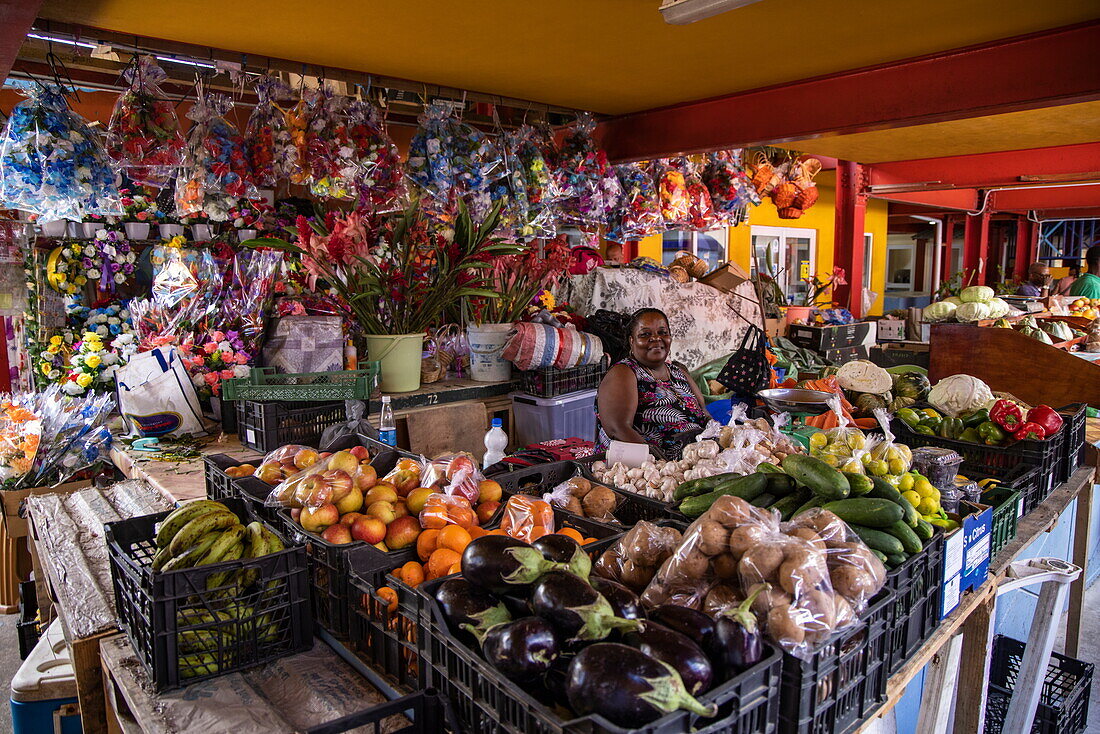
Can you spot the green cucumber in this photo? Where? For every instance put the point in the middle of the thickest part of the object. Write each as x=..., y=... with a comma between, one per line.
x=905, y=534
x=883, y=490
x=766, y=467
x=858, y=484
x=813, y=502
x=924, y=529
x=879, y=554
x=765, y=500
x=912, y=517
x=895, y=559
x=878, y=540
x=695, y=487
x=821, y=478
x=866, y=511
x=747, y=488
x=779, y=484
x=787, y=505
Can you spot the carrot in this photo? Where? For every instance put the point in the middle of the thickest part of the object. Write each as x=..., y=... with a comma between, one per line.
x=866, y=423
x=830, y=420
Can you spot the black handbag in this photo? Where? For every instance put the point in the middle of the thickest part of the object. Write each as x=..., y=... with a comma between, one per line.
x=746, y=372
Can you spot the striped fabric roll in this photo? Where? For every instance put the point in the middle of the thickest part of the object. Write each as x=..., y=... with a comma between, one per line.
x=535, y=346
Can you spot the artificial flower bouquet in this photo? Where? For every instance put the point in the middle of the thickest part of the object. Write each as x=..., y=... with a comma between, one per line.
x=221, y=356
x=144, y=137
x=139, y=207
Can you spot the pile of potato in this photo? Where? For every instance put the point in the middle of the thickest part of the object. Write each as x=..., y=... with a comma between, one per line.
x=634, y=560
x=587, y=499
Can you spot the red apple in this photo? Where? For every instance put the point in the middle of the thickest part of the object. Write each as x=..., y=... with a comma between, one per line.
x=461, y=464
x=337, y=534
x=367, y=476
x=368, y=529
x=402, y=532
x=339, y=482
x=324, y=455
x=316, y=519
x=486, y=510
x=380, y=493
x=400, y=509
x=270, y=472
x=360, y=452
x=351, y=517
x=296, y=514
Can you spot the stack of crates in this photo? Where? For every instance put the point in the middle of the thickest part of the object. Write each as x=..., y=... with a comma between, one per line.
x=555, y=404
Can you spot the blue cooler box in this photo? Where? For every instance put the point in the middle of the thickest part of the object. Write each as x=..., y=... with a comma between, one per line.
x=44, y=688
x=572, y=415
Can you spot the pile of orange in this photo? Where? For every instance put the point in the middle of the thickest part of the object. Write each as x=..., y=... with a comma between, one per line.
x=443, y=510
x=527, y=518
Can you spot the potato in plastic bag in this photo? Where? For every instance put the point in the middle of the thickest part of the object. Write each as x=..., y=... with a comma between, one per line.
x=855, y=573
x=634, y=560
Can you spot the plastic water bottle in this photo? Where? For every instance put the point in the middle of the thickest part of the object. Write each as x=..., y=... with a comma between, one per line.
x=387, y=426
x=496, y=441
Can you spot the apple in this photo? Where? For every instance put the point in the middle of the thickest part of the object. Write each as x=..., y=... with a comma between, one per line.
x=350, y=517
x=296, y=514
x=368, y=529
x=270, y=472
x=339, y=482
x=418, y=498
x=461, y=465
x=382, y=547
x=380, y=493
x=324, y=455
x=486, y=510
x=360, y=452
x=400, y=509
x=345, y=461
x=313, y=490
x=247, y=469
x=489, y=491
x=316, y=519
x=367, y=476
x=382, y=510
x=402, y=532
x=405, y=481
x=350, y=502
x=305, y=458
x=337, y=534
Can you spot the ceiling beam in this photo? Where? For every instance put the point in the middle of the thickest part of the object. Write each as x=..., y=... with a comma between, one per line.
x=16, y=19
x=1025, y=72
x=954, y=199
x=987, y=170
x=1046, y=197
x=1088, y=213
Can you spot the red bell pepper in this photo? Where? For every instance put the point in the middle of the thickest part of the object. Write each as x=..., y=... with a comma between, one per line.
x=1046, y=417
x=1030, y=432
x=1007, y=414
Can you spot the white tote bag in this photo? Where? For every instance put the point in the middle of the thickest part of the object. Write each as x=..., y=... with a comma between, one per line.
x=156, y=397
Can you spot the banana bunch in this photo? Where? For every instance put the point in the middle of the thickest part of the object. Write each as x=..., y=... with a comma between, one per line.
x=204, y=532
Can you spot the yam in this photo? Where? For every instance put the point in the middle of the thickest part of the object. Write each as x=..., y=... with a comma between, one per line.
x=573, y=505
x=579, y=486
x=745, y=537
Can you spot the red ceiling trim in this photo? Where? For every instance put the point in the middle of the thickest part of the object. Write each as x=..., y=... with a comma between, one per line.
x=16, y=19
x=987, y=170
x=954, y=199
x=1025, y=72
x=1048, y=197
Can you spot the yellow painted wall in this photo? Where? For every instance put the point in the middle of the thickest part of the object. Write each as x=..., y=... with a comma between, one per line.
x=820, y=217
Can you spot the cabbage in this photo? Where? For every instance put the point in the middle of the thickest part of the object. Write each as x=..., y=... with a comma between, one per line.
x=977, y=294
x=998, y=308
x=959, y=394
x=939, y=311
x=953, y=299
x=970, y=312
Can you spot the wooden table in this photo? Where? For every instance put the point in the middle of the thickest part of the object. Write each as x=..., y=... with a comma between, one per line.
x=176, y=480
x=973, y=617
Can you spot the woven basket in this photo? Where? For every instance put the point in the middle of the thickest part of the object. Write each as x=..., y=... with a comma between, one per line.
x=784, y=194
x=789, y=212
x=678, y=274
x=806, y=197
x=764, y=176
x=695, y=266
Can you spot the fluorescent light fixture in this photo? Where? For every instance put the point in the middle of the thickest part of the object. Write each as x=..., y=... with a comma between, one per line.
x=930, y=220
x=188, y=62
x=682, y=12
x=66, y=41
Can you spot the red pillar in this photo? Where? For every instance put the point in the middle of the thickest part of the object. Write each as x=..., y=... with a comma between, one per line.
x=1025, y=250
x=851, y=205
x=948, y=248
x=976, y=249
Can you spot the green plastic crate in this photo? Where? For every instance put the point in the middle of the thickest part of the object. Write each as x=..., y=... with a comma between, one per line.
x=263, y=383
x=1006, y=511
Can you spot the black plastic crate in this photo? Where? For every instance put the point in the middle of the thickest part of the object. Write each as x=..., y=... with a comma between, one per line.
x=1044, y=456
x=842, y=681
x=1063, y=703
x=1073, y=440
x=26, y=627
x=914, y=613
x=551, y=382
x=428, y=713
x=486, y=702
x=263, y=622
x=265, y=426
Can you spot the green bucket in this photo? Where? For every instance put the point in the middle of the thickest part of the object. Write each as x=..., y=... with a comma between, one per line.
x=399, y=356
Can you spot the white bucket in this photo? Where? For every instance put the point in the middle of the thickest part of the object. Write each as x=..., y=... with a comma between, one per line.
x=486, y=346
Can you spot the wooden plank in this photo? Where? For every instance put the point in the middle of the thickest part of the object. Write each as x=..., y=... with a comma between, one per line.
x=940, y=681
x=974, y=666
x=447, y=391
x=177, y=480
x=1082, y=542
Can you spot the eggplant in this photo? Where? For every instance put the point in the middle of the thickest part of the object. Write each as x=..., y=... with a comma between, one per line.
x=470, y=608
x=563, y=549
x=502, y=564
x=576, y=610
x=522, y=650
x=691, y=622
x=738, y=635
x=679, y=651
x=624, y=601
x=627, y=687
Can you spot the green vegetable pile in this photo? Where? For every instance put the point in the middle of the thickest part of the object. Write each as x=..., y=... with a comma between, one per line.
x=973, y=426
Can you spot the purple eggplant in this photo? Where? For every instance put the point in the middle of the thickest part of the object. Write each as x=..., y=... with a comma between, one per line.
x=691, y=622
x=504, y=565
x=739, y=638
x=576, y=610
x=624, y=601
x=563, y=549
x=522, y=650
x=627, y=687
x=470, y=608
x=679, y=651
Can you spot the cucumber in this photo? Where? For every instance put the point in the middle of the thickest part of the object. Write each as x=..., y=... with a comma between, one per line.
x=924, y=529
x=779, y=484
x=813, y=502
x=858, y=484
x=866, y=511
x=881, y=556
x=747, y=488
x=912, y=517
x=695, y=487
x=821, y=478
x=766, y=467
x=905, y=534
x=883, y=490
x=878, y=540
x=765, y=500
x=786, y=506
x=895, y=559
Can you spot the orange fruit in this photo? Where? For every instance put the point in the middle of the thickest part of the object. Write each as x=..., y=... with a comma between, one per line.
x=536, y=532
x=455, y=538
x=388, y=595
x=412, y=573
x=498, y=531
x=586, y=541
x=441, y=560
x=426, y=542
x=572, y=533
x=462, y=515
x=457, y=568
x=434, y=515
x=476, y=533
x=396, y=573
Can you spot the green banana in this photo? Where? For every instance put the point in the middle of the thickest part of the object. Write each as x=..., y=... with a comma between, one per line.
x=200, y=526
x=230, y=537
x=174, y=522
x=232, y=553
x=192, y=555
x=256, y=548
x=192, y=617
x=197, y=664
x=274, y=542
x=199, y=640
x=161, y=557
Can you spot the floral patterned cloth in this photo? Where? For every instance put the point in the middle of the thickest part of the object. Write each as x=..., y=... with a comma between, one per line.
x=704, y=321
x=665, y=408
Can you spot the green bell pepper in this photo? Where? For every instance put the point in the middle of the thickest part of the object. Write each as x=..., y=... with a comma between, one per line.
x=931, y=413
x=991, y=433
x=970, y=434
x=910, y=417
x=975, y=419
x=924, y=430
x=933, y=423
x=950, y=428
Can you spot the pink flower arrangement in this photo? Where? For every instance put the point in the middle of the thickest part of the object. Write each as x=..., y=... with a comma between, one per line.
x=220, y=357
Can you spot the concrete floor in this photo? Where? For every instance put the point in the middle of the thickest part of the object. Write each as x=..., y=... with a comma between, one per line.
x=9, y=664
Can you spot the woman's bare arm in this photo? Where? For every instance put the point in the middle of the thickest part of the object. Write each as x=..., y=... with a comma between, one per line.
x=617, y=402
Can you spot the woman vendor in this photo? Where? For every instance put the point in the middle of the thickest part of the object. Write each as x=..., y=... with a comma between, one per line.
x=645, y=398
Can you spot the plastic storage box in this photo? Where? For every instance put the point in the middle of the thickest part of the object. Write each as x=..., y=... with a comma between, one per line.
x=544, y=419
x=43, y=691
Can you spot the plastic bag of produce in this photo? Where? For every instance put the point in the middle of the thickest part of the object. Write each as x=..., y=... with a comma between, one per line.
x=527, y=518
x=286, y=461
x=442, y=509
x=581, y=497
x=884, y=456
x=456, y=473
x=634, y=560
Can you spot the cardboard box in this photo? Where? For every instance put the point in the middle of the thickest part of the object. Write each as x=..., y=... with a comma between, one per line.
x=821, y=338
x=893, y=354
x=775, y=327
x=17, y=526
x=844, y=355
x=726, y=277
x=890, y=330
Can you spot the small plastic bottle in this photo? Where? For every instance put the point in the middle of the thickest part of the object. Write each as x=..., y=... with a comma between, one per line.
x=351, y=356
x=387, y=426
x=496, y=441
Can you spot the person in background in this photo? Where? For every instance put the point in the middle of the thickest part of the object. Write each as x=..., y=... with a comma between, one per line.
x=614, y=254
x=1062, y=287
x=647, y=399
x=1088, y=285
x=1038, y=281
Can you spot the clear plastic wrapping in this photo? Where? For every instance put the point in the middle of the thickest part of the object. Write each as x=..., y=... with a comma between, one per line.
x=673, y=195
x=272, y=154
x=215, y=173
x=582, y=497
x=634, y=560
x=582, y=165
x=382, y=187
x=639, y=213
x=442, y=509
x=938, y=465
x=527, y=518
x=144, y=137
